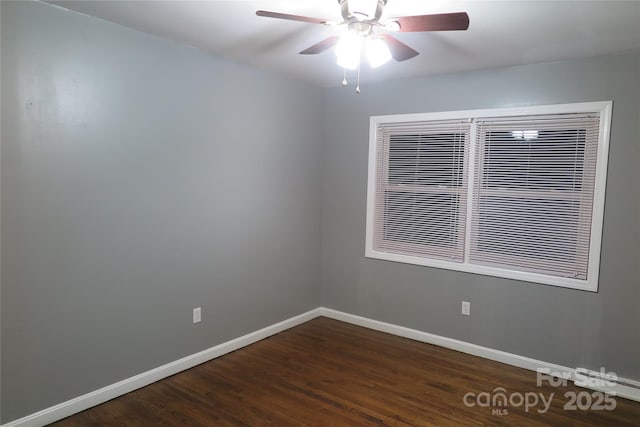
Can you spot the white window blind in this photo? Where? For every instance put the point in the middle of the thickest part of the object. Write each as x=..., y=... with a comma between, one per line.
x=421, y=192
x=510, y=192
x=533, y=193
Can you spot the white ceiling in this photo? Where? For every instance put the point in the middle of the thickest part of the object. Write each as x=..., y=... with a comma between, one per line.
x=501, y=33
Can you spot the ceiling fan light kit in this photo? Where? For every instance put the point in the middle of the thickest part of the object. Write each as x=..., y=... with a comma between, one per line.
x=360, y=17
x=377, y=51
x=349, y=50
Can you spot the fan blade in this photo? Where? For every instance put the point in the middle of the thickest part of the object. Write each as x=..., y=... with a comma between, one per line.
x=321, y=46
x=399, y=51
x=438, y=22
x=308, y=19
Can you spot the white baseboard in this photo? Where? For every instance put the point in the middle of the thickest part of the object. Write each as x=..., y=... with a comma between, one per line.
x=86, y=401
x=623, y=387
x=626, y=388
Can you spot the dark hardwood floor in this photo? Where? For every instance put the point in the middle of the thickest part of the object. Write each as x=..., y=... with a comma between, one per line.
x=329, y=373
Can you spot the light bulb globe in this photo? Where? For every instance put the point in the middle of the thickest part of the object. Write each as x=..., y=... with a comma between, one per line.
x=348, y=50
x=377, y=52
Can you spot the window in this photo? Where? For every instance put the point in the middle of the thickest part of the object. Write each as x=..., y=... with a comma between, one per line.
x=423, y=189
x=516, y=193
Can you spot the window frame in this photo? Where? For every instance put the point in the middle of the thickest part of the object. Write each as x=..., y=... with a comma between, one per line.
x=603, y=108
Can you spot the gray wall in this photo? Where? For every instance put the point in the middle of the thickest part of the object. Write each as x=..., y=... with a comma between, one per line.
x=141, y=179
x=568, y=327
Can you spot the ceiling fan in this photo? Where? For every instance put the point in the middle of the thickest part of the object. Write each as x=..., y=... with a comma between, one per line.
x=360, y=18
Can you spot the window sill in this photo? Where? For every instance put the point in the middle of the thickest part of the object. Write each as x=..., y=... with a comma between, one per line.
x=591, y=284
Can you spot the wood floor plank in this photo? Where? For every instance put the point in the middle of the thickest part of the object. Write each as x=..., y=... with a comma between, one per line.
x=330, y=373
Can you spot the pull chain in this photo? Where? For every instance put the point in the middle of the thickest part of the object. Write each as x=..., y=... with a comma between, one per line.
x=344, y=78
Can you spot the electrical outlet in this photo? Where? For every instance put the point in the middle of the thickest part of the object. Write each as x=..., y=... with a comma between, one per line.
x=197, y=315
x=466, y=308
